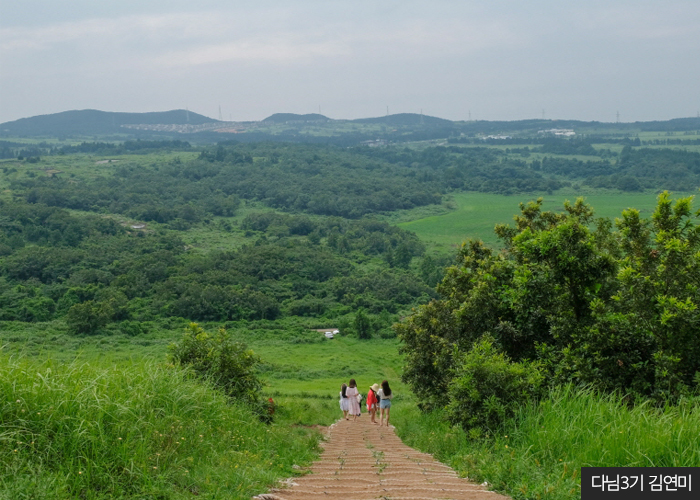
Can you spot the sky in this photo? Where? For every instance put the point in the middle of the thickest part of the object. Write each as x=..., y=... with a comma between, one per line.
x=460, y=60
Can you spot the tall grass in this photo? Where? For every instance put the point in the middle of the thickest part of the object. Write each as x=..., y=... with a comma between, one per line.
x=135, y=430
x=541, y=452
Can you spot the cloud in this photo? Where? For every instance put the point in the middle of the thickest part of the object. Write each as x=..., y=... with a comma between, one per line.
x=280, y=50
x=276, y=35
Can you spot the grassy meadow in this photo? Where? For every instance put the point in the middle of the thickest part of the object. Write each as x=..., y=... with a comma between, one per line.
x=474, y=215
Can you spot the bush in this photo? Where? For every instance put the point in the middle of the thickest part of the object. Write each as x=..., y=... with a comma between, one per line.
x=230, y=366
x=488, y=388
x=87, y=317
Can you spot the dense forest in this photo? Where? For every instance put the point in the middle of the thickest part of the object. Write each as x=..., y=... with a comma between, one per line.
x=95, y=272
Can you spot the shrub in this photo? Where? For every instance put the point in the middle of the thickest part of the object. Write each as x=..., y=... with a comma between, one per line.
x=230, y=366
x=488, y=388
x=88, y=317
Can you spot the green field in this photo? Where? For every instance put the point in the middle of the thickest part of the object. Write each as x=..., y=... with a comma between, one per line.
x=476, y=214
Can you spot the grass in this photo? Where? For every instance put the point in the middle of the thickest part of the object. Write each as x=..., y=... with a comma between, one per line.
x=476, y=214
x=133, y=430
x=541, y=452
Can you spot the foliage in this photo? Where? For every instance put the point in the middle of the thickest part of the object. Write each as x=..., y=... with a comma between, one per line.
x=52, y=263
x=615, y=309
x=87, y=317
x=230, y=366
x=362, y=325
x=487, y=389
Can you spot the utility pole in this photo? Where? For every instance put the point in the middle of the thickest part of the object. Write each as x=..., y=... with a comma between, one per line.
x=221, y=118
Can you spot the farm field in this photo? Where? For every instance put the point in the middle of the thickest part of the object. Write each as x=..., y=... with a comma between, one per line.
x=476, y=214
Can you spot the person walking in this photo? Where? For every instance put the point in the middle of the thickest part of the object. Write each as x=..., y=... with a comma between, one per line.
x=352, y=394
x=373, y=402
x=385, y=396
x=344, y=401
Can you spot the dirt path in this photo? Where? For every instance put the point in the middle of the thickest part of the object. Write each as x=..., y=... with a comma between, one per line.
x=362, y=461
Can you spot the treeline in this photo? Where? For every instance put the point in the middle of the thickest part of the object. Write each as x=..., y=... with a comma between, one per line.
x=472, y=169
x=615, y=309
x=126, y=147
x=345, y=182
x=19, y=150
x=93, y=271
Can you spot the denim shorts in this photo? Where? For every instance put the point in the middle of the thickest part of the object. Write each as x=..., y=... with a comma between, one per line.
x=385, y=403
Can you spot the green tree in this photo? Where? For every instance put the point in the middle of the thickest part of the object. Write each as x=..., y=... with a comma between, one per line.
x=88, y=317
x=363, y=325
x=615, y=309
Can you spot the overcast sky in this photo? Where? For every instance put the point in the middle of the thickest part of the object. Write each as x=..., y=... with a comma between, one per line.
x=488, y=60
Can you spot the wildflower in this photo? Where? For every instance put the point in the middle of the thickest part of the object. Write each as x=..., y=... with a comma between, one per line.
x=80, y=472
x=155, y=467
x=506, y=446
x=119, y=439
x=18, y=401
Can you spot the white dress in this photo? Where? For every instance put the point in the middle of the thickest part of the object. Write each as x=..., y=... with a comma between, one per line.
x=351, y=393
x=344, y=402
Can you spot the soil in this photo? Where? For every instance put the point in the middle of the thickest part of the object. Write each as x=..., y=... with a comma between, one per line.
x=362, y=461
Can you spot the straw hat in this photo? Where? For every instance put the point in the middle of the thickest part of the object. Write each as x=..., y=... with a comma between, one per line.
x=375, y=387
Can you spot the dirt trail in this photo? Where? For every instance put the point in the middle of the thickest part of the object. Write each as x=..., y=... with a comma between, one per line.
x=362, y=461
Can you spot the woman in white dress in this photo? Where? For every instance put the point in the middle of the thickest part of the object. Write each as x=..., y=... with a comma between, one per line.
x=352, y=393
x=344, y=401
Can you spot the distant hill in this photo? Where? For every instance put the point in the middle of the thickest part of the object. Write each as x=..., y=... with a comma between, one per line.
x=401, y=127
x=295, y=118
x=407, y=119
x=91, y=122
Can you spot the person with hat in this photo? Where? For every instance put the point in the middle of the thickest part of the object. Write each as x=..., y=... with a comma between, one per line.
x=373, y=402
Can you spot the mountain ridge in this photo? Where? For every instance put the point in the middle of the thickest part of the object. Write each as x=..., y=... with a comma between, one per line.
x=89, y=122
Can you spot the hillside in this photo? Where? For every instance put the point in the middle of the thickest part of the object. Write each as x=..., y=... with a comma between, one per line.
x=92, y=122
x=407, y=119
x=317, y=128
x=295, y=118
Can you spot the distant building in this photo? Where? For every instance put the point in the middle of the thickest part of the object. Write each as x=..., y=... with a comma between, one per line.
x=374, y=144
x=559, y=132
x=496, y=137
